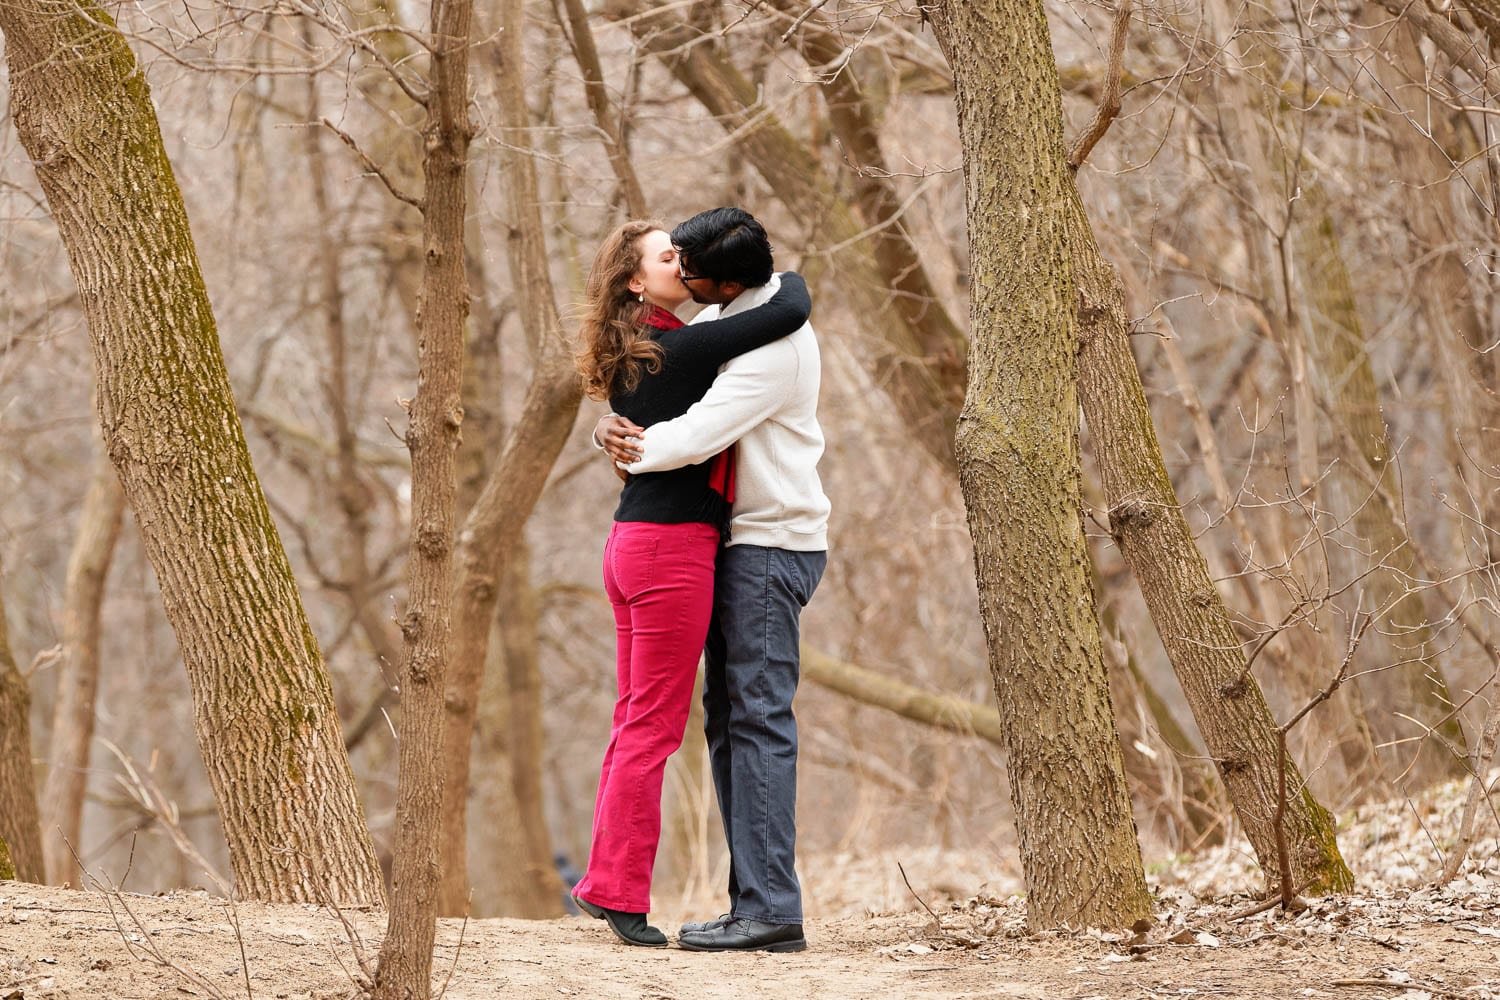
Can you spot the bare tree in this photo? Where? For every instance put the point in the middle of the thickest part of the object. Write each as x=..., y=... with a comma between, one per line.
x=1018, y=459
x=494, y=525
x=266, y=721
x=20, y=830
x=78, y=673
x=405, y=968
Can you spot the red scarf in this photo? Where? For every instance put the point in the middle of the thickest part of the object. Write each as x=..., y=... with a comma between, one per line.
x=721, y=466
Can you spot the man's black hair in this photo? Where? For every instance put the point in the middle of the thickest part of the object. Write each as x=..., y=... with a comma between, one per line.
x=725, y=244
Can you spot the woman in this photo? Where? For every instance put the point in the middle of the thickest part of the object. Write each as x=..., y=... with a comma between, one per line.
x=659, y=559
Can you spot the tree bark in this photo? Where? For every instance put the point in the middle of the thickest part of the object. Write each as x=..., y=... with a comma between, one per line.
x=78, y=673
x=515, y=484
x=432, y=434
x=1146, y=522
x=20, y=827
x=1017, y=448
x=1165, y=774
x=264, y=708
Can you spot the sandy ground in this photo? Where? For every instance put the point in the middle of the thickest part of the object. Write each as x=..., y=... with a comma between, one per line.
x=957, y=931
x=61, y=943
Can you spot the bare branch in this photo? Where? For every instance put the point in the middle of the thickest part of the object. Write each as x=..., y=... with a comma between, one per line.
x=372, y=167
x=809, y=12
x=1109, y=101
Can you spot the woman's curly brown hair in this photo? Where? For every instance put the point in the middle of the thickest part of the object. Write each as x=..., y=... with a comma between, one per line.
x=615, y=346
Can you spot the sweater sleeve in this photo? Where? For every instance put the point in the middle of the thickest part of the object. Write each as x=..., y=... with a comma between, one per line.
x=712, y=343
x=745, y=394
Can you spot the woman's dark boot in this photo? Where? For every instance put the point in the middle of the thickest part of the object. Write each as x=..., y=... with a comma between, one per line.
x=628, y=927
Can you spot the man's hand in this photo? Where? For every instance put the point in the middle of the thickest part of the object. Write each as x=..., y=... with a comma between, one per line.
x=621, y=438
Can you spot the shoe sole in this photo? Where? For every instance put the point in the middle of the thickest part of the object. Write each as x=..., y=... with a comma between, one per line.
x=597, y=912
x=780, y=947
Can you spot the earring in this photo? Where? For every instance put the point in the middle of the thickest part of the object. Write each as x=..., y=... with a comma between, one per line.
x=641, y=297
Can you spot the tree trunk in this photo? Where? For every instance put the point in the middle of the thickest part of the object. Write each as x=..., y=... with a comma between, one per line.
x=1166, y=770
x=941, y=711
x=264, y=708
x=856, y=124
x=1017, y=448
x=541, y=888
x=1165, y=773
x=514, y=872
x=78, y=674
x=20, y=828
x=1402, y=686
x=405, y=969
x=1146, y=521
x=586, y=54
x=1449, y=304
x=515, y=484
x=501, y=884
x=1454, y=42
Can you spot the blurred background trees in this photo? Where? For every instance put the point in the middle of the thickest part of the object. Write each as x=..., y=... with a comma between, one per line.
x=1300, y=204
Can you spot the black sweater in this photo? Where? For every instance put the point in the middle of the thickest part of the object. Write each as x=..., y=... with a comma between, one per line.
x=691, y=359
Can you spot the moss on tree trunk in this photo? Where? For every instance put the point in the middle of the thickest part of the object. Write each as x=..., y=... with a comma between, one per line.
x=263, y=704
x=1018, y=457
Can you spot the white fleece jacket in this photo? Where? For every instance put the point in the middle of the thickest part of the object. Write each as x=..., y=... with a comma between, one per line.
x=766, y=401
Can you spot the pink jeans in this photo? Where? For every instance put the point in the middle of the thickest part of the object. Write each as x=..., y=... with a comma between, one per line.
x=660, y=581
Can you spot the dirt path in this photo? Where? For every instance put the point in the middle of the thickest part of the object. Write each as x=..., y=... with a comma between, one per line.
x=58, y=943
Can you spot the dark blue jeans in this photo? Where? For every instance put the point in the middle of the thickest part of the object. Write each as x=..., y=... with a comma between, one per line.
x=751, y=670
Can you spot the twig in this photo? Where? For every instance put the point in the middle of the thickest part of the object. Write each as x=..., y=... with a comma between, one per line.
x=1393, y=985
x=1109, y=102
x=149, y=950
x=239, y=937
x=749, y=11
x=1484, y=755
x=802, y=18
x=1261, y=907
x=935, y=918
x=458, y=950
x=356, y=942
x=374, y=168
x=154, y=803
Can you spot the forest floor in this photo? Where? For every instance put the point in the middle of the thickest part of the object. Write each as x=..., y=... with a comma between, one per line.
x=1396, y=937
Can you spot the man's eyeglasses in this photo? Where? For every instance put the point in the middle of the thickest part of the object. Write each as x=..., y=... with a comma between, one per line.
x=684, y=277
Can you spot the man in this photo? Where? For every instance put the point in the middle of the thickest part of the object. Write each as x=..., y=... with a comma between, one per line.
x=765, y=404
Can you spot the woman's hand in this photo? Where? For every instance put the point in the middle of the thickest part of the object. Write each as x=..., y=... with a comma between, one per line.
x=620, y=438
